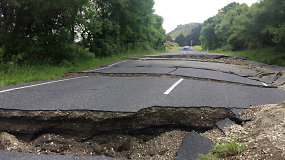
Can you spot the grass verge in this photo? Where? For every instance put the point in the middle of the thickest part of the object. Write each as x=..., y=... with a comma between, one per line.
x=270, y=56
x=223, y=150
x=14, y=74
x=171, y=46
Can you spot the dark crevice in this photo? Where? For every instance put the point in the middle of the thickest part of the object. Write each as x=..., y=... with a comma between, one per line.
x=216, y=70
x=40, y=129
x=175, y=69
x=163, y=76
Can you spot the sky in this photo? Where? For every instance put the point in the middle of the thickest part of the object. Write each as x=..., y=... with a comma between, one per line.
x=177, y=12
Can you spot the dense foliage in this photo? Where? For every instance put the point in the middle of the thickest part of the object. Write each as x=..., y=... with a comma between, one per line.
x=191, y=38
x=240, y=27
x=184, y=34
x=185, y=30
x=55, y=31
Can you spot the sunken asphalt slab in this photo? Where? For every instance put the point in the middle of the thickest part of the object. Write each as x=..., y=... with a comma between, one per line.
x=131, y=94
x=192, y=146
x=145, y=66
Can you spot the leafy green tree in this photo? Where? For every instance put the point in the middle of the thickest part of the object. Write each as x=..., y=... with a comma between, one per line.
x=208, y=36
x=238, y=26
x=194, y=36
x=180, y=40
x=54, y=30
x=38, y=30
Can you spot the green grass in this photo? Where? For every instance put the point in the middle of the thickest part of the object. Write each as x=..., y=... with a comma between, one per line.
x=223, y=150
x=171, y=46
x=199, y=48
x=12, y=74
x=270, y=56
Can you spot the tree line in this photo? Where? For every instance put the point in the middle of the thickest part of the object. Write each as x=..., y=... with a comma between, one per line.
x=190, y=39
x=239, y=27
x=53, y=31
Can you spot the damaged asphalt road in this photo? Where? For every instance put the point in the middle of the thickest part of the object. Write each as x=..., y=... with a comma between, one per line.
x=132, y=85
x=131, y=94
x=186, y=79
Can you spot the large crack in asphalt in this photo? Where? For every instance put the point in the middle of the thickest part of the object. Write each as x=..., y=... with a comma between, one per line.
x=168, y=75
x=193, y=56
x=112, y=134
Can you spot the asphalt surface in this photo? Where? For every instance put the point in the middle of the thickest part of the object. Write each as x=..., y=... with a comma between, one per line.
x=130, y=94
x=192, y=146
x=5, y=155
x=200, y=84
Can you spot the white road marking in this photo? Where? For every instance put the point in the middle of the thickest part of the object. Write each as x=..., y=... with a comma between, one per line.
x=40, y=84
x=173, y=86
x=105, y=67
x=265, y=84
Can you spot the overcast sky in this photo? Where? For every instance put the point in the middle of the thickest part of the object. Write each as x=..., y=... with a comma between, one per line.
x=177, y=12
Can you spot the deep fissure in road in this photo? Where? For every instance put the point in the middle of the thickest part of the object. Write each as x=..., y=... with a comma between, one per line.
x=141, y=135
x=71, y=74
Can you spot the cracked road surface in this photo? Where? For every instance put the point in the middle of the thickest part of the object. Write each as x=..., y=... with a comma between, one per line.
x=178, y=79
x=205, y=84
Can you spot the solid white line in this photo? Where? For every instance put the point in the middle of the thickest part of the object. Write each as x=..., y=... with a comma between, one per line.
x=106, y=67
x=173, y=86
x=40, y=84
x=265, y=84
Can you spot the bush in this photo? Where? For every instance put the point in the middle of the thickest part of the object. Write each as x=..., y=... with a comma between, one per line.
x=1, y=55
x=223, y=150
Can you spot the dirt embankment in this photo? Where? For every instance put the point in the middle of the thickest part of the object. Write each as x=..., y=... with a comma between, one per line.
x=263, y=136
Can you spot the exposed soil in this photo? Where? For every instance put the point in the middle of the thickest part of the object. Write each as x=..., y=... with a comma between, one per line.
x=262, y=136
x=163, y=146
x=153, y=133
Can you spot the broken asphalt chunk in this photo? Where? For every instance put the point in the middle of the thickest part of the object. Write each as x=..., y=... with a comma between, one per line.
x=192, y=146
x=269, y=79
x=224, y=124
x=280, y=81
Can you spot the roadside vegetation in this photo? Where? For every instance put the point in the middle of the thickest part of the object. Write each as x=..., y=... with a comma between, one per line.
x=11, y=74
x=223, y=150
x=171, y=46
x=63, y=36
x=256, y=32
x=185, y=35
x=267, y=55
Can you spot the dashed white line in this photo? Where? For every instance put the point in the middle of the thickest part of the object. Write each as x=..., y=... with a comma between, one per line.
x=40, y=84
x=105, y=67
x=265, y=84
x=173, y=86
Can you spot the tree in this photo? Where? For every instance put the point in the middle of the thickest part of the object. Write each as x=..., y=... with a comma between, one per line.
x=238, y=26
x=193, y=37
x=180, y=40
x=55, y=31
x=35, y=33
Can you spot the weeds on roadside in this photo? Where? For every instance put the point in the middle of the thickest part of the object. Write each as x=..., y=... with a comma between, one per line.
x=272, y=56
x=223, y=150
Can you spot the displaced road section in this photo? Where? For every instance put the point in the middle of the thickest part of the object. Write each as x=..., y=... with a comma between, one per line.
x=140, y=96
